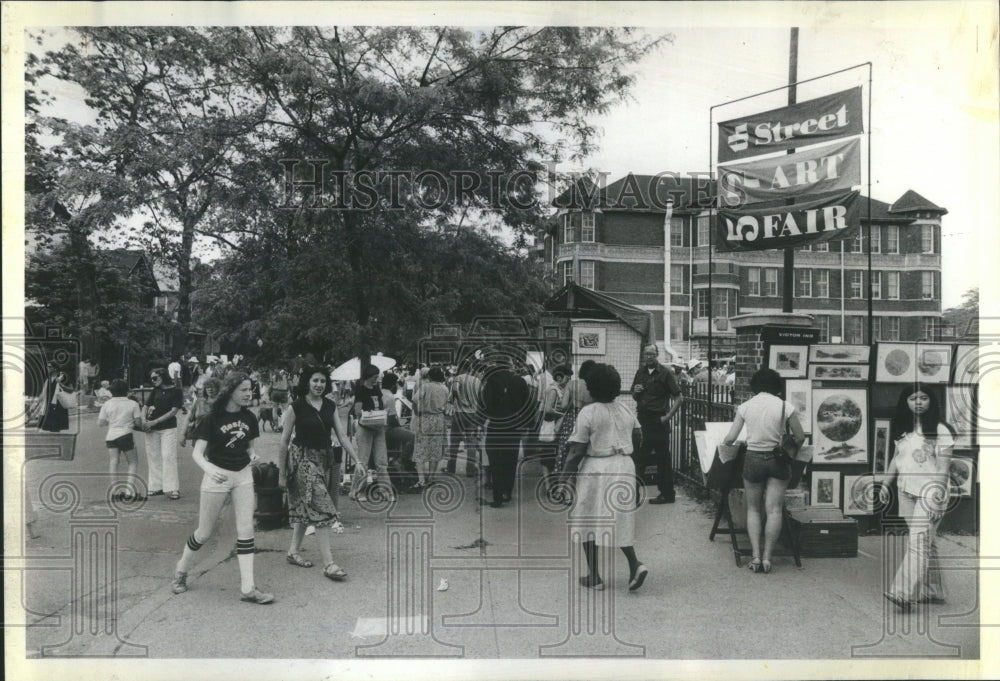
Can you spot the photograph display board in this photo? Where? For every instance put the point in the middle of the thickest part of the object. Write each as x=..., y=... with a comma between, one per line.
x=840, y=425
x=896, y=363
x=798, y=391
x=789, y=360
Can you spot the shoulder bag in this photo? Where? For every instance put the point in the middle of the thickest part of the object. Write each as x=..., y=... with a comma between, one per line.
x=787, y=450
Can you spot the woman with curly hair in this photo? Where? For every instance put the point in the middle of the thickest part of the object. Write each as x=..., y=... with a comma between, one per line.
x=924, y=443
x=224, y=449
x=306, y=462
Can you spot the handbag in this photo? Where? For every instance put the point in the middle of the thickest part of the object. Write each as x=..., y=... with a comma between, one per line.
x=67, y=400
x=374, y=418
x=547, y=431
x=787, y=451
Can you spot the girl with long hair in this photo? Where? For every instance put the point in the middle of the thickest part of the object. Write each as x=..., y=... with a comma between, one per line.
x=224, y=449
x=923, y=442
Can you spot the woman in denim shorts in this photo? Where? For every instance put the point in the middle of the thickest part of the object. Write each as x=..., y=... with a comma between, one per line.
x=765, y=476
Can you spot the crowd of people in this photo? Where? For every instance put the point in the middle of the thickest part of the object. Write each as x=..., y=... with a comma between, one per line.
x=389, y=433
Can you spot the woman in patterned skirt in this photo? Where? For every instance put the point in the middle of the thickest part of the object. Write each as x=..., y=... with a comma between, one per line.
x=431, y=437
x=304, y=462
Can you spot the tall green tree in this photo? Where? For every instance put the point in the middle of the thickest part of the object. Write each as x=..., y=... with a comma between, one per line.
x=963, y=316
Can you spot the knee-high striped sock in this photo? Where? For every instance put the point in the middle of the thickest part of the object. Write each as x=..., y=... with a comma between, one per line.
x=244, y=555
x=188, y=555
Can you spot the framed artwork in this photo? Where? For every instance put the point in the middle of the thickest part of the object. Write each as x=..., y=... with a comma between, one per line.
x=880, y=451
x=840, y=425
x=825, y=490
x=838, y=372
x=590, y=340
x=960, y=473
x=840, y=354
x=960, y=412
x=798, y=391
x=861, y=492
x=933, y=363
x=789, y=360
x=966, y=364
x=895, y=363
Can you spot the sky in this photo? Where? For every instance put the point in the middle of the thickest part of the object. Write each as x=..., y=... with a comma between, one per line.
x=934, y=95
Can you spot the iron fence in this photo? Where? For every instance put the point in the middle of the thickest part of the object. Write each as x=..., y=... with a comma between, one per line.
x=702, y=402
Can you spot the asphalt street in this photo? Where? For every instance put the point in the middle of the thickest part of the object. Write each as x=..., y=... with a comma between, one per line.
x=96, y=582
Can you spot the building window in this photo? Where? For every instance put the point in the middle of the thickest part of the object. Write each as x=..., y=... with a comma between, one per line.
x=803, y=283
x=821, y=248
x=821, y=285
x=932, y=328
x=855, y=332
x=927, y=238
x=587, y=274
x=892, y=285
x=587, y=227
x=806, y=248
x=876, y=236
x=676, y=231
x=892, y=239
x=856, y=283
x=927, y=286
x=753, y=281
x=889, y=329
x=877, y=328
x=703, y=231
x=567, y=228
x=876, y=284
x=858, y=242
x=702, y=302
x=567, y=271
x=678, y=326
x=677, y=278
x=823, y=322
x=771, y=282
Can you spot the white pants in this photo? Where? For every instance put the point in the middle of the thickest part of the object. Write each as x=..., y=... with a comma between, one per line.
x=161, y=455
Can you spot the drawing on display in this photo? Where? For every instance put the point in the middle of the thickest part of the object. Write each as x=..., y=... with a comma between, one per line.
x=840, y=432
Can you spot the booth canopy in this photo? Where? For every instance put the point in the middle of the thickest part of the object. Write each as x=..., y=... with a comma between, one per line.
x=579, y=302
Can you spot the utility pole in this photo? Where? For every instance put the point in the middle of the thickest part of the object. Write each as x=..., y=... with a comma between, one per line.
x=789, y=270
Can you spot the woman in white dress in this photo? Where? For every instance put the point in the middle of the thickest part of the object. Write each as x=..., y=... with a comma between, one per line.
x=605, y=486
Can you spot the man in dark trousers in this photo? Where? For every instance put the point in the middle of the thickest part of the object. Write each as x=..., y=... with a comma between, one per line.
x=653, y=388
x=507, y=403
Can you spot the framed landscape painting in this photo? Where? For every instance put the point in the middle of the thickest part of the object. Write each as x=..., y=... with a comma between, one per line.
x=838, y=372
x=960, y=408
x=863, y=494
x=589, y=340
x=933, y=363
x=789, y=360
x=825, y=490
x=960, y=474
x=895, y=363
x=840, y=425
x=840, y=354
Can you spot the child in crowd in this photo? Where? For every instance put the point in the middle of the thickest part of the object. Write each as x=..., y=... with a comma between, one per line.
x=103, y=393
x=121, y=415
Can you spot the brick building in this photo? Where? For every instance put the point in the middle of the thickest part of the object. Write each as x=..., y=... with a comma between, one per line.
x=611, y=240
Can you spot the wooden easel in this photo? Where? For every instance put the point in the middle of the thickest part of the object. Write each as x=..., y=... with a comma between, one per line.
x=723, y=511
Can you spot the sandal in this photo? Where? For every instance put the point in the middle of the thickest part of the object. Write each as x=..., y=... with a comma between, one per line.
x=296, y=559
x=755, y=565
x=765, y=566
x=334, y=572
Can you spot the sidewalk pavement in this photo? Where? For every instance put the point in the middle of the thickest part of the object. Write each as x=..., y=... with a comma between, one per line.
x=511, y=574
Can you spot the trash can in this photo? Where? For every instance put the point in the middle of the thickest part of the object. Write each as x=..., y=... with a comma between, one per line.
x=272, y=508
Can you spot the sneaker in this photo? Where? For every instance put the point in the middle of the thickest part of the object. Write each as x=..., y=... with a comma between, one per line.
x=179, y=584
x=256, y=596
x=156, y=493
x=175, y=495
x=361, y=497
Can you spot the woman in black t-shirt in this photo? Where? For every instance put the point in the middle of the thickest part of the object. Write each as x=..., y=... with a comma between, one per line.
x=311, y=468
x=368, y=397
x=224, y=450
x=160, y=426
